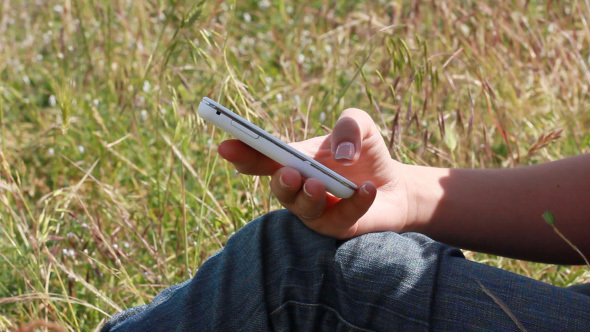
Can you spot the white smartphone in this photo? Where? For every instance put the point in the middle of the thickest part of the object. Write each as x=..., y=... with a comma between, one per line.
x=274, y=148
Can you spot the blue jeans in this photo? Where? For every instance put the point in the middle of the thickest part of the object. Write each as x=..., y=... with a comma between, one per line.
x=276, y=274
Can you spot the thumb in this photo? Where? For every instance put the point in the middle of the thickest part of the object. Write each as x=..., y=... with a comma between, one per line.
x=347, y=136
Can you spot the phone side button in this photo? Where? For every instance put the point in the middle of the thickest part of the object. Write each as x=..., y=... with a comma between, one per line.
x=244, y=129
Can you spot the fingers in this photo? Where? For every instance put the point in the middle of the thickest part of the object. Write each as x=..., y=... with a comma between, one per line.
x=349, y=131
x=286, y=184
x=307, y=198
x=342, y=220
x=312, y=199
x=310, y=202
x=246, y=159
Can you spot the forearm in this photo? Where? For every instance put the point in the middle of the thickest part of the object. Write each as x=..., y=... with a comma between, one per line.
x=500, y=211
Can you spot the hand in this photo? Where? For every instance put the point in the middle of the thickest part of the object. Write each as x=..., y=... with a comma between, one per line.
x=355, y=150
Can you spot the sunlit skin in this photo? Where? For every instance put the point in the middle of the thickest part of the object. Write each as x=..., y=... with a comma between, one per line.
x=496, y=211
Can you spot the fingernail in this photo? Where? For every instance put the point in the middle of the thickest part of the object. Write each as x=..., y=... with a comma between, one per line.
x=305, y=190
x=364, y=190
x=345, y=150
x=283, y=185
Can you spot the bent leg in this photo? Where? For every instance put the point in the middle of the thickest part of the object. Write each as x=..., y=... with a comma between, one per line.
x=474, y=297
x=276, y=274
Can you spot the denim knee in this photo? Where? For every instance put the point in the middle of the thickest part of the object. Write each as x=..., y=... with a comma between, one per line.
x=378, y=281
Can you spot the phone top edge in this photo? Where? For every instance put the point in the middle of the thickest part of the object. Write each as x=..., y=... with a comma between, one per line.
x=310, y=161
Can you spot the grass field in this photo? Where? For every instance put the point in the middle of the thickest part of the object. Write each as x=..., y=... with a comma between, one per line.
x=110, y=186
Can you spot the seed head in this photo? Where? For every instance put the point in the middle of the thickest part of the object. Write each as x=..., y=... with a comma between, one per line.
x=549, y=218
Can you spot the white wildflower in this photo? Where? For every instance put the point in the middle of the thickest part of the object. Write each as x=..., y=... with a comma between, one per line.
x=263, y=3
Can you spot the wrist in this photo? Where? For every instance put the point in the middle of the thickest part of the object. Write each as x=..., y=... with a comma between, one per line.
x=424, y=192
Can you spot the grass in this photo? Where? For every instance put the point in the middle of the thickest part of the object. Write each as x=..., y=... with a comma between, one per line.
x=110, y=186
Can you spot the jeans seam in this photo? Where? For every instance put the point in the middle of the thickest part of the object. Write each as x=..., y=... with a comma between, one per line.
x=320, y=305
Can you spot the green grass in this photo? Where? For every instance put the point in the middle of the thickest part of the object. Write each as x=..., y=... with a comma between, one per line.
x=110, y=186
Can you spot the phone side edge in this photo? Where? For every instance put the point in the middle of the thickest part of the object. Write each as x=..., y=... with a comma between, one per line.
x=282, y=156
